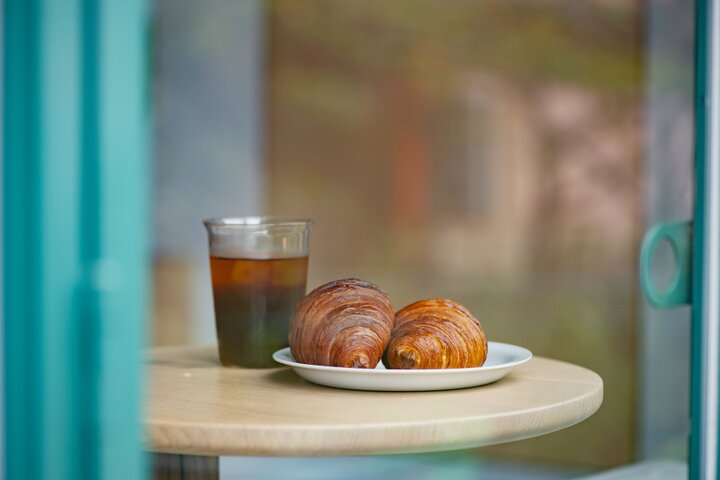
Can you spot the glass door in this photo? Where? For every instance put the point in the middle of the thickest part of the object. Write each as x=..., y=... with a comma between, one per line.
x=507, y=155
x=668, y=195
x=511, y=156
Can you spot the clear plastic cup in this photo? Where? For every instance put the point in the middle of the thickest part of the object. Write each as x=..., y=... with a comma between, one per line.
x=259, y=274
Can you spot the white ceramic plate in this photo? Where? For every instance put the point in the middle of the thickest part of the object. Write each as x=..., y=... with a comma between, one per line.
x=502, y=357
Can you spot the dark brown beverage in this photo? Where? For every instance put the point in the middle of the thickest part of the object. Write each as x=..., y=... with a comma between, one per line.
x=254, y=302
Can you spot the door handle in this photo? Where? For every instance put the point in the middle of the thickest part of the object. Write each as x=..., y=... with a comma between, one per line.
x=678, y=235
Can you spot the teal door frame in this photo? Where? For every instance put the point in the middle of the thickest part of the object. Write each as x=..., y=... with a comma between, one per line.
x=704, y=437
x=75, y=223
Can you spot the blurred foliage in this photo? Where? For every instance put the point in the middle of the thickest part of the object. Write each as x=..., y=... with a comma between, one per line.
x=578, y=42
x=533, y=107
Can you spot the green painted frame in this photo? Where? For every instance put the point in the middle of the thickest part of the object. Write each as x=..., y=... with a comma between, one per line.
x=76, y=236
x=705, y=349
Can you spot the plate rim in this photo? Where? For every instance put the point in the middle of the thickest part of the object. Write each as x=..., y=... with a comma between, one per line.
x=527, y=355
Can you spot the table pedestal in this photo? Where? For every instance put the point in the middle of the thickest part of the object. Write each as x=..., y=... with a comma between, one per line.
x=168, y=466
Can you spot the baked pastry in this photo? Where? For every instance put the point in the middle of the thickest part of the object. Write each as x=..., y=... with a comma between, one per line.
x=436, y=333
x=345, y=323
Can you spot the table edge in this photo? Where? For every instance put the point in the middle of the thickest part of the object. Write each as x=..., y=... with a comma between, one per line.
x=313, y=440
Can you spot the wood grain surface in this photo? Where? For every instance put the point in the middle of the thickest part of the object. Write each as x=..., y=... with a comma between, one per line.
x=195, y=406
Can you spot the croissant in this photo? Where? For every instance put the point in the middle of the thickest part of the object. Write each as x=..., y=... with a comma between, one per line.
x=436, y=333
x=345, y=323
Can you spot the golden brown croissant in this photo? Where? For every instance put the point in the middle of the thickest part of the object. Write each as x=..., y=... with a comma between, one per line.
x=436, y=333
x=345, y=323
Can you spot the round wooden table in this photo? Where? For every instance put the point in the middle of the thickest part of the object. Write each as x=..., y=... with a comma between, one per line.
x=196, y=407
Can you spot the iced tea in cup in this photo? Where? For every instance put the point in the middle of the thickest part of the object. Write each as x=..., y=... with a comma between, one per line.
x=259, y=274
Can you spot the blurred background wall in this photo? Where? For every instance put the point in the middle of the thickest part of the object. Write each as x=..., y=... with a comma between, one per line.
x=208, y=101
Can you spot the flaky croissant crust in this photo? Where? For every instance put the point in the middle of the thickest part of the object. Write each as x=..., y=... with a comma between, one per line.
x=436, y=333
x=345, y=323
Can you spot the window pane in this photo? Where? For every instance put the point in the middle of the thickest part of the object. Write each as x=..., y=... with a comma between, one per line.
x=505, y=154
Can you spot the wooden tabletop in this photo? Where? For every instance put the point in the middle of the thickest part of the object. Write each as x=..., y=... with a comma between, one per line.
x=194, y=406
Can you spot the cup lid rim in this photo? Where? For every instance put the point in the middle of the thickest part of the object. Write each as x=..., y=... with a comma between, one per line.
x=258, y=221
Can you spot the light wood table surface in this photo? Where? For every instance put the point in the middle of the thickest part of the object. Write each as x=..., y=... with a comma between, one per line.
x=196, y=407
